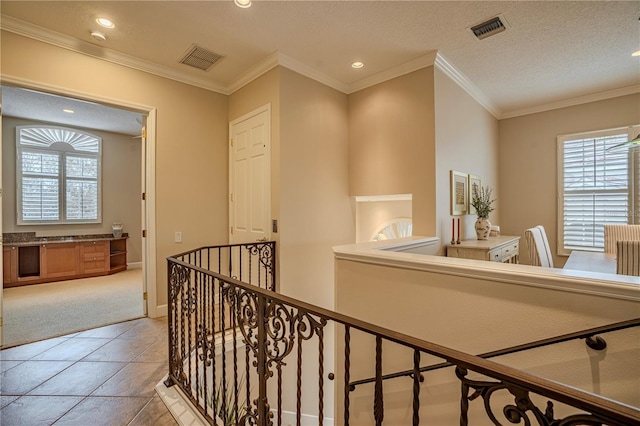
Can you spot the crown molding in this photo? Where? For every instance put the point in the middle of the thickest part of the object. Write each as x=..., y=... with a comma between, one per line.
x=35, y=32
x=406, y=68
x=254, y=72
x=594, y=97
x=312, y=73
x=461, y=80
x=278, y=59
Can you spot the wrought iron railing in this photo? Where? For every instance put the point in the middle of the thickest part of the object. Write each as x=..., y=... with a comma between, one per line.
x=245, y=355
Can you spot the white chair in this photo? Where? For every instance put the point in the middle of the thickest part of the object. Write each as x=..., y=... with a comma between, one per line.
x=539, y=249
x=621, y=232
x=628, y=258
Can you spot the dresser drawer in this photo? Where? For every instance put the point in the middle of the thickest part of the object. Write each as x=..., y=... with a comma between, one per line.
x=512, y=249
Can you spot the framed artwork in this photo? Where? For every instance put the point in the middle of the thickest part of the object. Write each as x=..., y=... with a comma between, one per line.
x=474, y=184
x=459, y=193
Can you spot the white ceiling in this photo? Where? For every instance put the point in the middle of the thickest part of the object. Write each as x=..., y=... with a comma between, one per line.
x=553, y=53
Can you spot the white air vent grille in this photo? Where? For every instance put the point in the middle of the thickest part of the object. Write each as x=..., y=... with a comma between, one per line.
x=488, y=28
x=200, y=58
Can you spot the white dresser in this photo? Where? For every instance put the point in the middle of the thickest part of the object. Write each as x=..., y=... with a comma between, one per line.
x=503, y=248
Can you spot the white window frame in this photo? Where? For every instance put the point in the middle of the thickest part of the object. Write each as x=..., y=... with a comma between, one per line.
x=63, y=141
x=632, y=189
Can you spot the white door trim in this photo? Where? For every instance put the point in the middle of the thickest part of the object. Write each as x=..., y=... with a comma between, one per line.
x=149, y=243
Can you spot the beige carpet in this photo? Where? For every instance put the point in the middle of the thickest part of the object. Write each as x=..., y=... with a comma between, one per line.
x=41, y=311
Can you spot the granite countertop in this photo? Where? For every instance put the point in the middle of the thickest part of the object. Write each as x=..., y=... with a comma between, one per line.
x=29, y=238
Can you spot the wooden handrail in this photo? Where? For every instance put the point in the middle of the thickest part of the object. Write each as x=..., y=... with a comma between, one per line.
x=612, y=411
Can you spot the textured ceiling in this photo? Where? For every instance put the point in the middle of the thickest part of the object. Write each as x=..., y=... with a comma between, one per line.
x=552, y=50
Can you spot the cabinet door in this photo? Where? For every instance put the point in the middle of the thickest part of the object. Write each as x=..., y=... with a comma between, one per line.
x=94, y=257
x=59, y=260
x=9, y=264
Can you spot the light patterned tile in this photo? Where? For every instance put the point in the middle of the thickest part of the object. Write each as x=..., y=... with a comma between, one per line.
x=154, y=413
x=109, y=331
x=136, y=379
x=80, y=379
x=30, y=374
x=157, y=352
x=36, y=410
x=104, y=411
x=28, y=351
x=120, y=350
x=71, y=350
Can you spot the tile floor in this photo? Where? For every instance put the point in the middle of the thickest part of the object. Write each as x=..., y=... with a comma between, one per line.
x=103, y=376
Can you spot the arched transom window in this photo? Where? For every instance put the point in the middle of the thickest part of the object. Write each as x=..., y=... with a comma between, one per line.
x=58, y=175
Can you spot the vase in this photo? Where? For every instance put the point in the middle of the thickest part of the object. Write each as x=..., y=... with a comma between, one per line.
x=116, y=229
x=483, y=227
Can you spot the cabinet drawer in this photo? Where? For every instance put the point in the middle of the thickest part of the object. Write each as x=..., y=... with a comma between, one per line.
x=94, y=247
x=510, y=250
x=94, y=257
x=495, y=255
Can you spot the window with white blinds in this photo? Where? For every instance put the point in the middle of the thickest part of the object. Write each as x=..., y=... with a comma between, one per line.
x=598, y=185
x=58, y=176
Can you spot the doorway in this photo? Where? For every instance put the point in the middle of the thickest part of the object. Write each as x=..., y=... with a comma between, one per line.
x=143, y=137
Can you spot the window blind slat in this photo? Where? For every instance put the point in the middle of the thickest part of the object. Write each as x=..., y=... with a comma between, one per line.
x=596, y=190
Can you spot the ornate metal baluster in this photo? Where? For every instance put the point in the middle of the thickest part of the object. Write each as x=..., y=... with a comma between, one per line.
x=299, y=384
x=321, y=374
x=347, y=372
x=236, y=393
x=262, y=361
x=416, y=387
x=378, y=404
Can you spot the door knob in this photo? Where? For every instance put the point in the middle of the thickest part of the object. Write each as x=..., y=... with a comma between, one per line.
x=262, y=240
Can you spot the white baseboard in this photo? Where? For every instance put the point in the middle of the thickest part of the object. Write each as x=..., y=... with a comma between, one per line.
x=289, y=419
x=180, y=409
x=134, y=265
x=184, y=413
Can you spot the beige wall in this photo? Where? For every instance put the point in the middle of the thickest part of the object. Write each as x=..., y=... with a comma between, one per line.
x=392, y=143
x=315, y=207
x=191, y=146
x=466, y=312
x=121, y=183
x=466, y=141
x=528, y=161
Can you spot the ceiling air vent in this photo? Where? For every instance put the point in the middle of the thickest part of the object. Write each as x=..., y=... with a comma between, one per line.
x=488, y=28
x=200, y=58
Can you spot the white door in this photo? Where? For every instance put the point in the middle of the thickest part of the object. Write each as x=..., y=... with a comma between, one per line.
x=250, y=177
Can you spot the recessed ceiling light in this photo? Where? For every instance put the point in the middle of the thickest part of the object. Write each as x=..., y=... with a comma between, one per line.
x=636, y=53
x=98, y=35
x=104, y=22
x=243, y=3
x=357, y=65
x=69, y=111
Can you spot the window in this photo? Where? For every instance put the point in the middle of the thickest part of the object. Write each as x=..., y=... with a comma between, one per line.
x=57, y=176
x=396, y=228
x=597, y=185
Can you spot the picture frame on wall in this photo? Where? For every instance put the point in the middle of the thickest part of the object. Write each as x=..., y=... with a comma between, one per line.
x=474, y=182
x=459, y=193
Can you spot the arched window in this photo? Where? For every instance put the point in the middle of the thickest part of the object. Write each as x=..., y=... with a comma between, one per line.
x=58, y=176
x=396, y=228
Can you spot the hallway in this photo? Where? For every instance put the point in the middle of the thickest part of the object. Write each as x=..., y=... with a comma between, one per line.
x=103, y=376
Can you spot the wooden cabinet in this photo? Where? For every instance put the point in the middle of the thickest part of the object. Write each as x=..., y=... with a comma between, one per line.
x=59, y=260
x=36, y=263
x=503, y=248
x=94, y=257
x=9, y=264
x=117, y=255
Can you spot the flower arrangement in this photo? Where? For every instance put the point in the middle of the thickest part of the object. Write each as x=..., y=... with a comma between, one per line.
x=482, y=201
